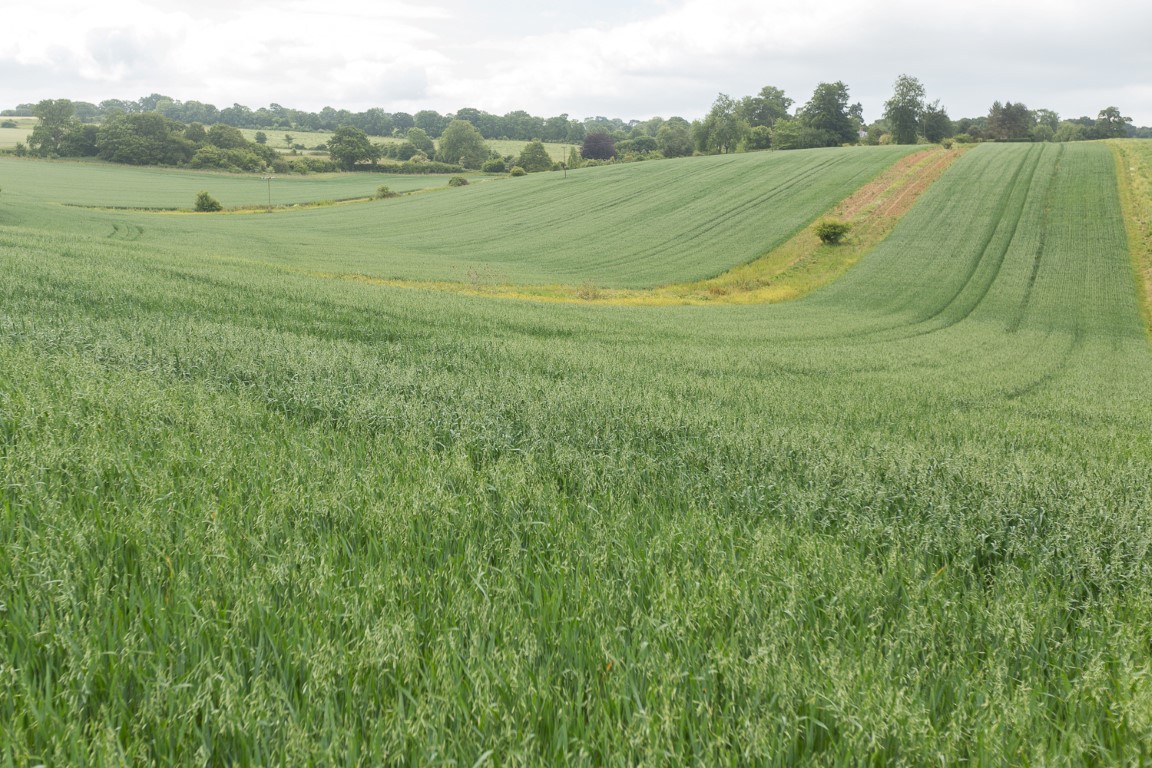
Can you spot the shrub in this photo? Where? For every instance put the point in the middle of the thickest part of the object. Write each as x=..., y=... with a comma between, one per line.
x=205, y=203
x=457, y=181
x=831, y=231
x=9, y=124
x=518, y=171
x=495, y=165
x=383, y=192
x=946, y=143
x=312, y=165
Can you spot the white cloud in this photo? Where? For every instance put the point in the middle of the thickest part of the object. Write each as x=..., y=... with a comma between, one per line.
x=631, y=58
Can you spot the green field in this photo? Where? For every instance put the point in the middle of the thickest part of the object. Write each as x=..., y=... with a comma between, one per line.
x=252, y=515
x=633, y=225
x=10, y=137
x=35, y=189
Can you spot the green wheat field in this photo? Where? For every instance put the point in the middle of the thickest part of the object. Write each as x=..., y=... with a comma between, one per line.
x=252, y=513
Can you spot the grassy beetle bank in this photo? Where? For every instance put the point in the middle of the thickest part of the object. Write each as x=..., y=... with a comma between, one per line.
x=251, y=516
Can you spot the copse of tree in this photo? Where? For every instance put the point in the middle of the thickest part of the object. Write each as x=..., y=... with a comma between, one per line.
x=143, y=138
x=598, y=146
x=1009, y=122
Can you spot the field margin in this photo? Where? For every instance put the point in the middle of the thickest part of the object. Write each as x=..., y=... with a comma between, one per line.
x=1134, y=181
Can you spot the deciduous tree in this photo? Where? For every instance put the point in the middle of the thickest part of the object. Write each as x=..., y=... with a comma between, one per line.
x=935, y=123
x=1111, y=124
x=534, y=157
x=420, y=139
x=829, y=113
x=57, y=120
x=904, y=109
x=675, y=138
x=462, y=143
x=722, y=129
x=765, y=108
x=349, y=145
x=598, y=146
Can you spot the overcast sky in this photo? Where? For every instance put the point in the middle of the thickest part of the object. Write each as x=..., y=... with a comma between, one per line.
x=625, y=58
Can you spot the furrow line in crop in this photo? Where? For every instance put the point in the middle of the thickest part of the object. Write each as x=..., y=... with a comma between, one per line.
x=1042, y=237
x=997, y=240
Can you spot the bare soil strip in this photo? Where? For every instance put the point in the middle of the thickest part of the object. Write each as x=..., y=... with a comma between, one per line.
x=797, y=267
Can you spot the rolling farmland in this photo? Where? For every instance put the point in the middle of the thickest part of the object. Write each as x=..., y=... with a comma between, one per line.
x=254, y=515
x=628, y=226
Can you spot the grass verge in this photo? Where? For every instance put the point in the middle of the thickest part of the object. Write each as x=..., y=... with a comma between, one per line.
x=1134, y=175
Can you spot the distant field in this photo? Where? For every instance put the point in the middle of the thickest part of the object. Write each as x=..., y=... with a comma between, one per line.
x=116, y=186
x=627, y=226
x=10, y=137
x=251, y=514
x=558, y=152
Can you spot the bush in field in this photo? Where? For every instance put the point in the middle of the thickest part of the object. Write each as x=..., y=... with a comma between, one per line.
x=383, y=193
x=205, y=203
x=518, y=171
x=495, y=165
x=831, y=231
x=457, y=181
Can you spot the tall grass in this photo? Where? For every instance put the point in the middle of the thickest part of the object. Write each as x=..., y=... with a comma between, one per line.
x=250, y=516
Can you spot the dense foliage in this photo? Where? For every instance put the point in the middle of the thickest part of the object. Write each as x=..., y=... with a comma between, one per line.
x=904, y=109
x=598, y=146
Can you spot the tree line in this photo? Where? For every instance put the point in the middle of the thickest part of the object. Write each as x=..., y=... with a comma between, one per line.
x=829, y=118
x=149, y=131
x=517, y=125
